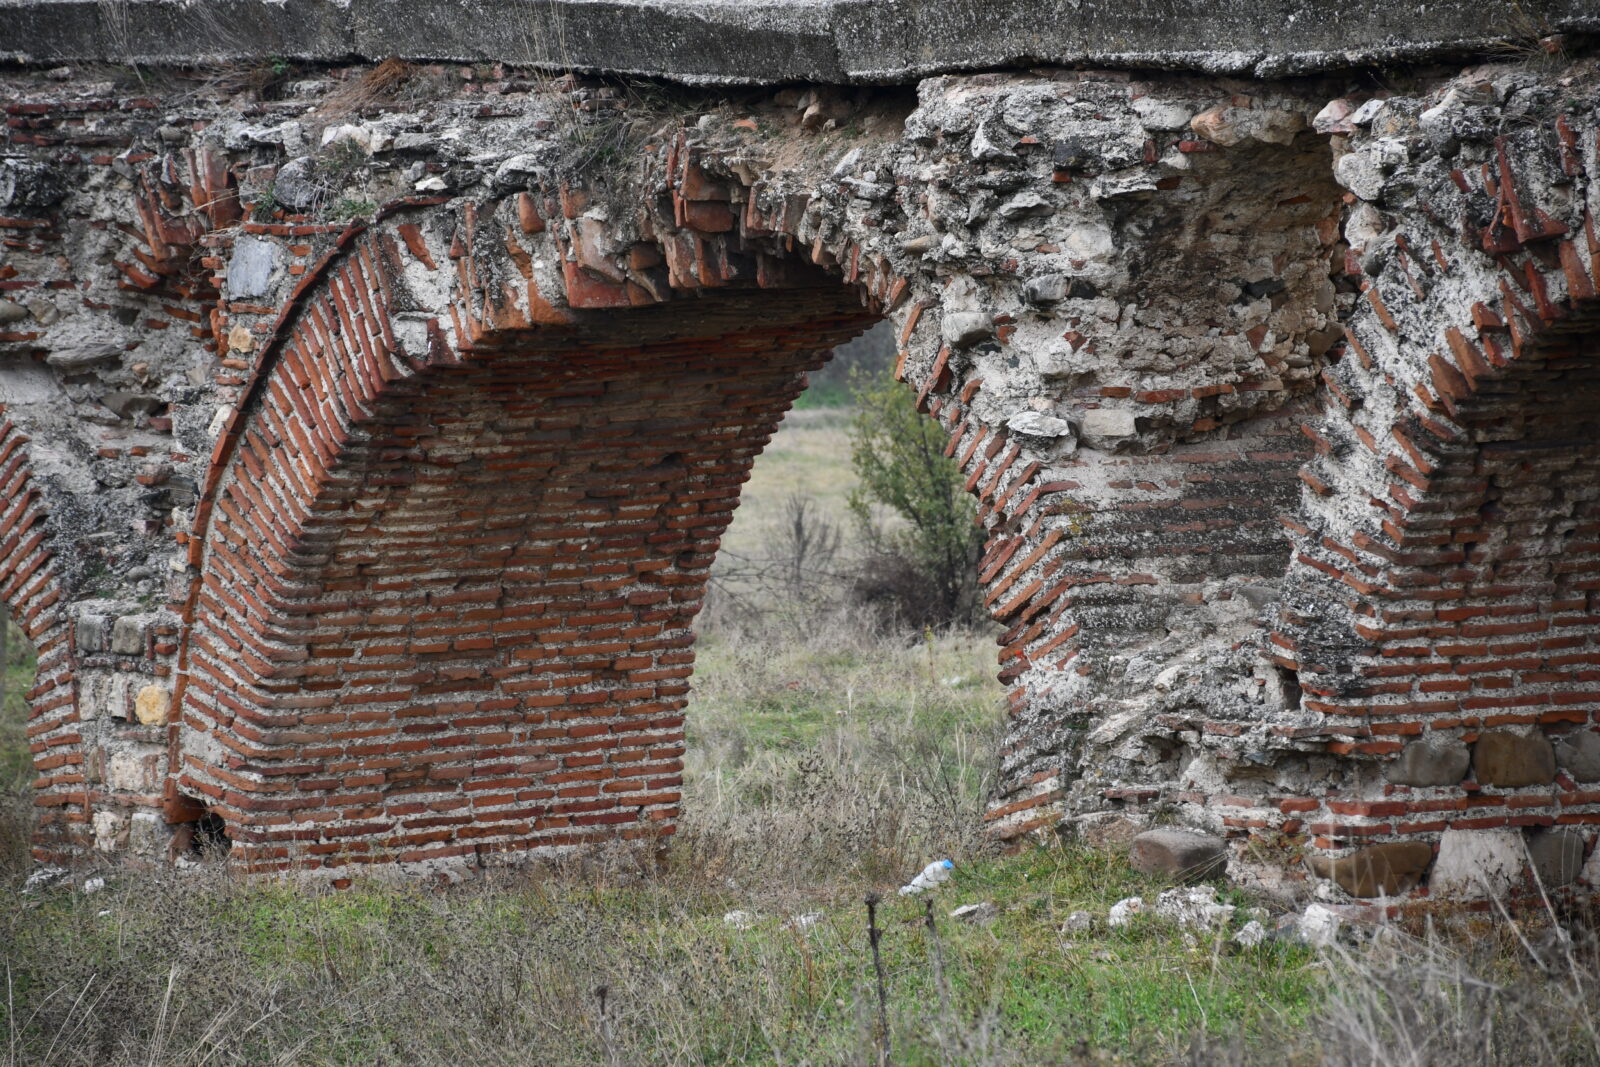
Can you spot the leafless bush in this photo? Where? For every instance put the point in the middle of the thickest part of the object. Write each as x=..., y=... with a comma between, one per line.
x=799, y=576
x=808, y=545
x=899, y=593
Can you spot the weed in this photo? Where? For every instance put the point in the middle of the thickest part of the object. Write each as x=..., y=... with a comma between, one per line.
x=265, y=206
x=351, y=209
x=340, y=160
x=1528, y=37
x=378, y=85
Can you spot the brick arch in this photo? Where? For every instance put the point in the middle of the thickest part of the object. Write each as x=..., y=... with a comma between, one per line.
x=1086, y=557
x=413, y=325
x=31, y=592
x=1448, y=546
x=448, y=564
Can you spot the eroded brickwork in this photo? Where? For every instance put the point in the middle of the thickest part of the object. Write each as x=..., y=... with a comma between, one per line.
x=380, y=538
x=1442, y=592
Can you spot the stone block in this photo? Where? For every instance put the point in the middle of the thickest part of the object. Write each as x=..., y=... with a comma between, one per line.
x=1579, y=755
x=102, y=694
x=147, y=834
x=1509, y=760
x=128, y=635
x=153, y=705
x=1557, y=856
x=84, y=357
x=27, y=186
x=1023, y=205
x=1388, y=869
x=1431, y=761
x=1178, y=855
x=250, y=267
x=1037, y=424
x=93, y=634
x=1231, y=126
x=1109, y=422
x=1046, y=289
x=1474, y=864
x=110, y=831
x=963, y=329
x=129, y=772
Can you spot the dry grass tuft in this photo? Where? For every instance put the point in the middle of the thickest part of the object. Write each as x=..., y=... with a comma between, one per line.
x=1517, y=992
x=376, y=86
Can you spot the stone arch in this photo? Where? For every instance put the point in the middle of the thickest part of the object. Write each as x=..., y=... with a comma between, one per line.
x=1446, y=559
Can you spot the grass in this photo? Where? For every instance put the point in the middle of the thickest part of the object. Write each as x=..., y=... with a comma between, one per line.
x=170, y=970
x=16, y=762
x=16, y=765
x=827, y=758
x=777, y=697
x=820, y=770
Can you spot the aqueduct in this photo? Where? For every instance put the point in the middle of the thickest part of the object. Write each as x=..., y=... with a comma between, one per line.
x=368, y=430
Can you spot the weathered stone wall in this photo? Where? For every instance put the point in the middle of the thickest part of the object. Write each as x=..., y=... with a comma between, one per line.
x=380, y=537
x=1442, y=592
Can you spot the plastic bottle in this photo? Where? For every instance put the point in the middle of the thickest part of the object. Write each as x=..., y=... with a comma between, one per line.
x=934, y=873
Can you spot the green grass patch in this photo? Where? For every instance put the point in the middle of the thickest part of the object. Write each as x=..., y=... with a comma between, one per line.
x=16, y=764
x=386, y=974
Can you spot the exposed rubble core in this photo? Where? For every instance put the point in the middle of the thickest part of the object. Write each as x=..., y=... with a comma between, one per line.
x=367, y=436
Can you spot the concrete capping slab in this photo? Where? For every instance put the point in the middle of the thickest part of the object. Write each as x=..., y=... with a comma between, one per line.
x=773, y=41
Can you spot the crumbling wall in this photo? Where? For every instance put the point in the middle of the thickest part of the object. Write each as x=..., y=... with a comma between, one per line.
x=1440, y=610
x=413, y=405
x=1110, y=410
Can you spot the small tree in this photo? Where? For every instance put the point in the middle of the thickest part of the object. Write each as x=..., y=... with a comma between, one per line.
x=926, y=570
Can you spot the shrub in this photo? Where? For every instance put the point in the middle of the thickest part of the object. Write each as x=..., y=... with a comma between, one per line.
x=924, y=571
